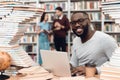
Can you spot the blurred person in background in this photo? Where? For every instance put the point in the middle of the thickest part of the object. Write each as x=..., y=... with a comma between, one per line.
x=44, y=33
x=60, y=27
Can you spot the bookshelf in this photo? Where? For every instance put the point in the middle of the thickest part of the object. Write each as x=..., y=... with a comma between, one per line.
x=15, y=24
x=111, y=8
x=29, y=41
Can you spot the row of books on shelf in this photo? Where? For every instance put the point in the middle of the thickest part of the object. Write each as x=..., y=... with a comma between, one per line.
x=92, y=15
x=52, y=6
x=107, y=17
x=30, y=48
x=112, y=27
x=85, y=5
x=95, y=16
x=28, y=39
x=32, y=39
x=74, y=5
x=31, y=29
x=110, y=0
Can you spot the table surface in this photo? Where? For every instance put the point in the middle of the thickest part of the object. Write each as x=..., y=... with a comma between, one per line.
x=56, y=78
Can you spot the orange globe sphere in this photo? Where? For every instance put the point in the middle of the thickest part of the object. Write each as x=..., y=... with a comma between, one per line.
x=5, y=60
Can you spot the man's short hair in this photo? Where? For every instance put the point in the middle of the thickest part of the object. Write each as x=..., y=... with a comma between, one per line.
x=59, y=8
x=84, y=13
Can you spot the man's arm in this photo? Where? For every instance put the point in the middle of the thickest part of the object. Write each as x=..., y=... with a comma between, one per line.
x=56, y=25
x=67, y=25
x=109, y=47
x=74, y=60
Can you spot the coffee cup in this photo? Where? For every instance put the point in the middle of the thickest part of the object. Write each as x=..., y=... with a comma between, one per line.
x=90, y=70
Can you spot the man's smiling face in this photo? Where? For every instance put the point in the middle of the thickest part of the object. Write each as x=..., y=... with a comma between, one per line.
x=80, y=24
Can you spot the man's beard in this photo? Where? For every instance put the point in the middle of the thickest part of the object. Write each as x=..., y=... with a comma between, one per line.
x=85, y=31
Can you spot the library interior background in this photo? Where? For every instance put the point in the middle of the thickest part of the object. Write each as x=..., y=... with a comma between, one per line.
x=59, y=40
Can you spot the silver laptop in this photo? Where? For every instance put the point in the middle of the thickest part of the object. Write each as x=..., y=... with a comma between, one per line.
x=56, y=62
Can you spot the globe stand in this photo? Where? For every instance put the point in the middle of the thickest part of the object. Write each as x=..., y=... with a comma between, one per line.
x=3, y=77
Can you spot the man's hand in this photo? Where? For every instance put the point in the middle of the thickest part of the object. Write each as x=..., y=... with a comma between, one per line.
x=78, y=71
x=57, y=24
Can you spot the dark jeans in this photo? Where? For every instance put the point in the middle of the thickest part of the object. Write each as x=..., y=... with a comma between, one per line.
x=60, y=44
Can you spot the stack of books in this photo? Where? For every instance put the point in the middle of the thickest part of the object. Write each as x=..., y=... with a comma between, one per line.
x=112, y=7
x=111, y=70
x=8, y=30
x=19, y=33
x=15, y=22
x=13, y=25
x=28, y=39
x=19, y=56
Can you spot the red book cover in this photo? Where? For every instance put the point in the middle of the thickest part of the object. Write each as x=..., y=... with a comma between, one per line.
x=51, y=7
x=91, y=5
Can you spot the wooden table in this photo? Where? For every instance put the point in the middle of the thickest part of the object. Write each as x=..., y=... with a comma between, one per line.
x=55, y=78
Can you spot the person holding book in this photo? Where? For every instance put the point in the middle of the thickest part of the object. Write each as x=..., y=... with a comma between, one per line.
x=90, y=46
x=44, y=33
x=60, y=27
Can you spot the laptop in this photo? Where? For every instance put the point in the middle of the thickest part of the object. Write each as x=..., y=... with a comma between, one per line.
x=56, y=62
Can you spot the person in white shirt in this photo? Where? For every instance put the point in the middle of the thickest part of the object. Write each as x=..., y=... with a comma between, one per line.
x=89, y=46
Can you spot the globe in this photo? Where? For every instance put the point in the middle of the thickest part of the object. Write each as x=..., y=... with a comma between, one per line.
x=5, y=60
